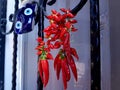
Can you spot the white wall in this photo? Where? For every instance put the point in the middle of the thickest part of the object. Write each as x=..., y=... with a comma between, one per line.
x=8, y=50
x=105, y=45
x=115, y=43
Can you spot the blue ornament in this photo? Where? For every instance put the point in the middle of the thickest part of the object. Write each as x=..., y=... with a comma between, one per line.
x=25, y=18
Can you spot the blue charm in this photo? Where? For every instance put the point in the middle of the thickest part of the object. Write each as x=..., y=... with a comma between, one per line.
x=25, y=18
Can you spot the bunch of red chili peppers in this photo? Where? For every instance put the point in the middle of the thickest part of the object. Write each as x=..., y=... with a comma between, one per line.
x=58, y=37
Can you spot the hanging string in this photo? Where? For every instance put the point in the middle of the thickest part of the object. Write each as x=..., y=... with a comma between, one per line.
x=14, y=52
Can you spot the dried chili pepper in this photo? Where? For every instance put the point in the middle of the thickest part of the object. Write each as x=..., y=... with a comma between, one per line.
x=39, y=39
x=67, y=39
x=65, y=68
x=55, y=37
x=58, y=36
x=54, y=11
x=56, y=60
x=68, y=25
x=70, y=15
x=49, y=56
x=43, y=66
x=58, y=68
x=44, y=71
x=73, y=67
x=74, y=53
x=63, y=32
x=73, y=21
x=40, y=70
x=64, y=79
x=64, y=10
x=57, y=65
x=73, y=29
x=57, y=44
x=39, y=52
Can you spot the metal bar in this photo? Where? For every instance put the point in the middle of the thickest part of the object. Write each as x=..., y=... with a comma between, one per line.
x=3, y=7
x=40, y=34
x=95, y=45
x=14, y=76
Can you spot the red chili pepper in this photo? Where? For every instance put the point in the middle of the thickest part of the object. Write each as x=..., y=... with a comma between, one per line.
x=49, y=17
x=70, y=15
x=54, y=11
x=74, y=53
x=65, y=68
x=40, y=70
x=57, y=65
x=51, y=46
x=49, y=56
x=73, y=21
x=54, y=31
x=55, y=37
x=63, y=10
x=39, y=39
x=58, y=68
x=39, y=52
x=68, y=25
x=62, y=39
x=53, y=25
x=66, y=46
x=73, y=29
x=44, y=71
x=56, y=18
x=68, y=54
x=48, y=34
x=64, y=79
x=57, y=44
x=47, y=29
x=63, y=32
x=47, y=49
x=63, y=18
x=56, y=60
x=42, y=43
x=39, y=47
x=73, y=68
x=67, y=39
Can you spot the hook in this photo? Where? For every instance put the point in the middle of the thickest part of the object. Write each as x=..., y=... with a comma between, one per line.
x=51, y=2
x=77, y=8
x=48, y=3
x=44, y=4
x=4, y=24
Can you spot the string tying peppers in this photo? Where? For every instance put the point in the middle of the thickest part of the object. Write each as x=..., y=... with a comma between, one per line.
x=57, y=36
